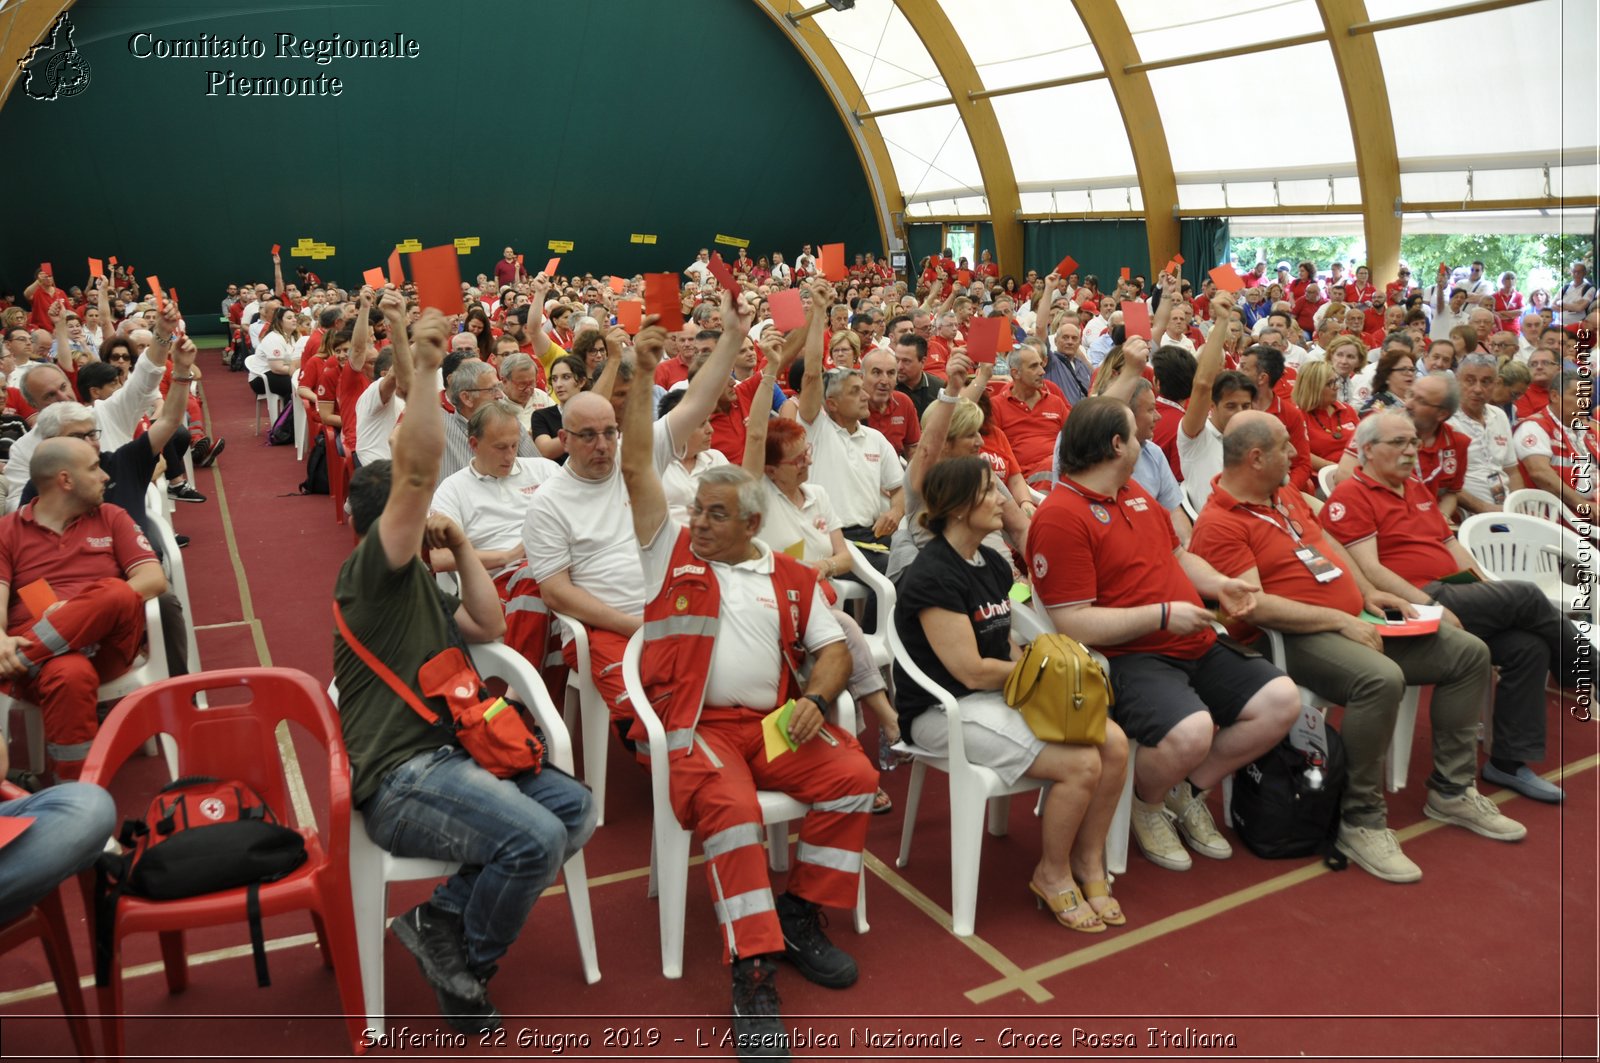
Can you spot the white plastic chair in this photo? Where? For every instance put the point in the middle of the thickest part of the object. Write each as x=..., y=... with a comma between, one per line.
x=1325, y=477
x=273, y=406
x=299, y=419
x=669, y=855
x=373, y=868
x=974, y=789
x=583, y=700
x=886, y=597
x=1515, y=546
x=1532, y=502
x=155, y=502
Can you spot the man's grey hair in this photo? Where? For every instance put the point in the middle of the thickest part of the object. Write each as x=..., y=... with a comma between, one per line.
x=466, y=376
x=513, y=363
x=834, y=379
x=53, y=420
x=1452, y=392
x=30, y=372
x=752, y=499
x=488, y=414
x=1478, y=361
x=1367, y=432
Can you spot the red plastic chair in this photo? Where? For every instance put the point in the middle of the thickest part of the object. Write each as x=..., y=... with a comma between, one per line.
x=48, y=922
x=338, y=473
x=234, y=741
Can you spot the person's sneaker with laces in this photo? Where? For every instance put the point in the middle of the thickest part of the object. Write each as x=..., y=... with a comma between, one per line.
x=1195, y=823
x=184, y=493
x=809, y=949
x=1378, y=851
x=213, y=451
x=1477, y=813
x=434, y=938
x=1152, y=830
x=469, y=1016
x=757, y=1027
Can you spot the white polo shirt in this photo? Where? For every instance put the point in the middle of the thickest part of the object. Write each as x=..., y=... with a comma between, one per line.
x=491, y=509
x=858, y=469
x=375, y=421
x=585, y=528
x=746, y=666
x=680, y=484
x=1488, y=452
x=1201, y=458
x=804, y=532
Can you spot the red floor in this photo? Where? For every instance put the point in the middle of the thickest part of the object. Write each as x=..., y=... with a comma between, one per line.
x=1493, y=955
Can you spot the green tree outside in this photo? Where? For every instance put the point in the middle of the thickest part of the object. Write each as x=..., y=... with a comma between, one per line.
x=1538, y=260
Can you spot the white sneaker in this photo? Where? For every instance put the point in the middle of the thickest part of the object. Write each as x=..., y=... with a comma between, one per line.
x=1152, y=829
x=1477, y=813
x=1378, y=851
x=1195, y=822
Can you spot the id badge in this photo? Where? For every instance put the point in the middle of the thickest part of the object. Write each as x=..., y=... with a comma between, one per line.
x=1325, y=571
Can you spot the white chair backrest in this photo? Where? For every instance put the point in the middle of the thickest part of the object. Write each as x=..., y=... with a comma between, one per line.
x=1532, y=502
x=1325, y=477
x=1509, y=545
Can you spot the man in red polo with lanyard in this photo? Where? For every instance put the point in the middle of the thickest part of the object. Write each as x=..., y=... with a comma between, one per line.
x=1030, y=413
x=1257, y=529
x=1390, y=525
x=1551, y=455
x=1107, y=564
x=1263, y=365
x=73, y=574
x=889, y=411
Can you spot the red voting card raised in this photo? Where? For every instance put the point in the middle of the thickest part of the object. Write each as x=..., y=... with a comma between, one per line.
x=396, y=277
x=437, y=274
x=274, y=248
x=374, y=278
x=964, y=277
x=787, y=312
x=47, y=268
x=113, y=261
x=831, y=262
x=1136, y=319
x=172, y=293
x=1178, y=259
x=661, y=299
x=983, y=339
x=1226, y=278
x=96, y=268
x=1066, y=267
x=629, y=313
x=154, y=284
x=618, y=285
x=1127, y=274
x=724, y=275
x=550, y=267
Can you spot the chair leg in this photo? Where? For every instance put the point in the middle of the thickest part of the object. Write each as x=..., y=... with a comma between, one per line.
x=919, y=771
x=672, y=884
x=1405, y=729
x=343, y=951
x=596, y=746
x=112, y=1033
x=175, y=960
x=1000, y=815
x=577, y=878
x=57, y=944
x=1121, y=822
x=369, y=896
x=966, y=848
x=322, y=939
x=778, y=846
x=861, y=904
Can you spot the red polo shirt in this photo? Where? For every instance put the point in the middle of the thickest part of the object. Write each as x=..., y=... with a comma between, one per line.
x=728, y=426
x=670, y=371
x=1330, y=433
x=1294, y=422
x=104, y=543
x=39, y=315
x=1237, y=536
x=1031, y=430
x=1115, y=553
x=1412, y=537
x=897, y=421
x=1536, y=398
x=1442, y=466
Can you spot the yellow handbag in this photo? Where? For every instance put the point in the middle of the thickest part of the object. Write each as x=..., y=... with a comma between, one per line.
x=1061, y=691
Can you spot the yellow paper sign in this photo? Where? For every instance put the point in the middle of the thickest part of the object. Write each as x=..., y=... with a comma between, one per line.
x=409, y=246
x=560, y=247
x=775, y=731
x=649, y=238
x=731, y=241
x=796, y=550
x=465, y=241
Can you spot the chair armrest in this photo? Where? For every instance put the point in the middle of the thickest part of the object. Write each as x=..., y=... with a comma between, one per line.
x=863, y=571
x=496, y=660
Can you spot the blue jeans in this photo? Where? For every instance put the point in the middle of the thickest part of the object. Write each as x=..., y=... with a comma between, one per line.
x=511, y=837
x=72, y=822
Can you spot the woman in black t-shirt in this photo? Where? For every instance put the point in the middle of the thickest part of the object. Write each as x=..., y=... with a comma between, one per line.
x=954, y=616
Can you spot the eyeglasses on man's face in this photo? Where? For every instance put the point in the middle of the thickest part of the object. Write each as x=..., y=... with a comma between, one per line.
x=589, y=435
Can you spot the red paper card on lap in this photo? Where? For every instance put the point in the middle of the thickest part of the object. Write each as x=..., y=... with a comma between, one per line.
x=1136, y=319
x=11, y=828
x=661, y=299
x=374, y=278
x=1226, y=278
x=437, y=274
x=1066, y=267
x=96, y=268
x=787, y=312
x=629, y=313
x=396, y=277
x=831, y=262
x=983, y=339
x=724, y=275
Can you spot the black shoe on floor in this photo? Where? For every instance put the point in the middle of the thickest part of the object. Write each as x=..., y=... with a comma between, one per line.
x=434, y=938
x=182, y=540
x=184, y=493
x=469, y=1016
x=757, y=1027
x=809, y=949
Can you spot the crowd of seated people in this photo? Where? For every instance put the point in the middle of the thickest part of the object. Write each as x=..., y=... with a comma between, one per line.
x=557, y=463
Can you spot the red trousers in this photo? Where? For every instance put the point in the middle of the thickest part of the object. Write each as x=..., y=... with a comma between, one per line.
x=605, y=664
x=527, y=617
x=92, y=638
x=714, y=795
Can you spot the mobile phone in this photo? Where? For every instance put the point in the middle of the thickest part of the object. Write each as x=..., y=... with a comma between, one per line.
x=1394, y=616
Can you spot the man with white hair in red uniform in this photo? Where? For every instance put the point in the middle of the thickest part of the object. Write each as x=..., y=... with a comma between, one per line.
x=728, y=626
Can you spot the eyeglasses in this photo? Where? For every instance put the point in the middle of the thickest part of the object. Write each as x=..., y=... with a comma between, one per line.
x=1403, y=369
x=588, y=436
x=802, y=458
x=91, y=436
x=716, y=514
x=491, y=387
x=1403, y=442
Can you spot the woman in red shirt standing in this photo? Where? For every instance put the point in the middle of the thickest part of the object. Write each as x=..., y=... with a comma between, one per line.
x=1308, y=276
x=1305, y=309
x=1508, y=303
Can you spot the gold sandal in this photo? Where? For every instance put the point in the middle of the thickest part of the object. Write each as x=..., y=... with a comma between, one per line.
x=1065, y=903
x=1111, y=915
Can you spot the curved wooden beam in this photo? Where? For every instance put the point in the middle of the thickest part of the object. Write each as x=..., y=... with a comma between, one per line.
x=888, y=199
x=23, y=25
x=1366, y=101
x=960, y=76
x=1152, y=157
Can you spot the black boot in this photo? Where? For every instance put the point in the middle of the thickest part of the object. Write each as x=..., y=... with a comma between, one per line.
x=757, y=1027
x=808, y=948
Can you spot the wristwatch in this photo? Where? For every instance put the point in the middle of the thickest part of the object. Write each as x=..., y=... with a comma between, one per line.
x=825, y=705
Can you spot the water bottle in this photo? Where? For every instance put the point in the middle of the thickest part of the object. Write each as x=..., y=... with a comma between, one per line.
x=1314, y=772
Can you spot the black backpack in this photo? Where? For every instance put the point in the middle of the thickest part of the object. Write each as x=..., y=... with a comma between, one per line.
x=1286, y=804
x=316, y=481
x=282, y=432
x=200, y=835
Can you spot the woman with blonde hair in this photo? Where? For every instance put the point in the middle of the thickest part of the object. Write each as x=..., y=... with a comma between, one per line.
x=1331, y=423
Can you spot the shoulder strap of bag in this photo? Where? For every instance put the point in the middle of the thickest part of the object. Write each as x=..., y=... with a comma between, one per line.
x=381, y=670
